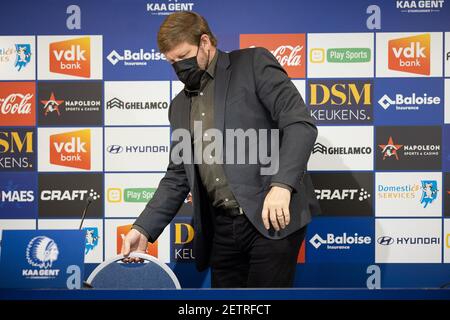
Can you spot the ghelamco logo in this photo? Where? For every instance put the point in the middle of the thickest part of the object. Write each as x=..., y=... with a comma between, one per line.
x=406, y=103
x=137, y=58
x=339, y=242
x=41, y=253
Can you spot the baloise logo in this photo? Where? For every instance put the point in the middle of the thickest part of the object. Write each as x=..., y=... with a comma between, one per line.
x=136, y=58
x=340, y=242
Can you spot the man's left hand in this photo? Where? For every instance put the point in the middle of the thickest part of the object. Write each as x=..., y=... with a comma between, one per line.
x=276, y=208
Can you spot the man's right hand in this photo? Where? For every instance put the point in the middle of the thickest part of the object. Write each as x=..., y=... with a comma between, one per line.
x=134, y=241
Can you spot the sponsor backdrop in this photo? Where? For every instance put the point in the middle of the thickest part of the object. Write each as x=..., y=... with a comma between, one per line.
x=84, y=99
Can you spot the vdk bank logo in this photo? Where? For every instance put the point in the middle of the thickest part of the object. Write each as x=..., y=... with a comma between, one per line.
x=71, y=149
x=41, y=252
x=71, y=57
x=410, y=54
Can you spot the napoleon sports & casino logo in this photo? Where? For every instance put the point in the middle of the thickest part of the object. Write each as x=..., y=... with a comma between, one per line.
x=71, y=149
x=288, y=49
x=71, y=57
x=410, y=54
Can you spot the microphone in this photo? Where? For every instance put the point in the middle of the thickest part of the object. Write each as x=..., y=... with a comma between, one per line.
x=88, y=202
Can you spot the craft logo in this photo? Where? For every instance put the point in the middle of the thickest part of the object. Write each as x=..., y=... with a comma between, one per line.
x=344, y=194
x=420, y=6
x=341, y=101
x=71, y=149
x=41, y=253
x=339, y=242
x=60, y=197
x=71, y=57
x=92, y=238
x=409, y=148
x=116, y=103
x=348, y=150
x=407, y=103
x=17, y=149
x=130, y=195
x=340, y=55
x=424, y=193
x=410, y=54
x=288, y=49
x=184, y=234
x=17, y=104
x=122, y=231
x=168, y=7
x=131, y=58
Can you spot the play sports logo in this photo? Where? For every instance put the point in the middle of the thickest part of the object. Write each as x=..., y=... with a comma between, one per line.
x=71, y=149
x=410, y=54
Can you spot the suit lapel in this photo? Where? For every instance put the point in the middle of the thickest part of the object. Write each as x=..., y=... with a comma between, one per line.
x=222, y=80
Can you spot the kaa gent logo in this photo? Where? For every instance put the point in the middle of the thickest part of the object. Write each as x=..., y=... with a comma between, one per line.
x=41, y=252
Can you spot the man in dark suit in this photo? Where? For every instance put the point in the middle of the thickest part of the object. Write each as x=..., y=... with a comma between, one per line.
x=248, y=226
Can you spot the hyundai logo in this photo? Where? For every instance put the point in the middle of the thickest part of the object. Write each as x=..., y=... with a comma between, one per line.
x=115, y=149
x=385, y=240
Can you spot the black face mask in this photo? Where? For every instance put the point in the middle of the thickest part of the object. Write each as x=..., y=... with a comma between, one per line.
x=189, y=72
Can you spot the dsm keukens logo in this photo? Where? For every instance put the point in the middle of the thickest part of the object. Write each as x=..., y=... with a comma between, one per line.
x=41, y=253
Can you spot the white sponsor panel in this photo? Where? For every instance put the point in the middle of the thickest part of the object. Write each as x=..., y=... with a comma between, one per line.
x=447, y=54
x=446, y=241
x=16, y=224
x=301, y=87
x=67, y=149
x=17, y=58
x=342, y=55
x=408, y=194
x=113, y=231
x=447, y=100
x=177, y=86
x=137, y=102
x=416, y=54
x=127, y=194
x=94, y=234
x=137, y=149
x=408, y=240
x=343, y=148
x=70, y=57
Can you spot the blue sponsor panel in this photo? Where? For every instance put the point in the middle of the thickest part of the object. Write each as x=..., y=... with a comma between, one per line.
x=42, y=258
x=18, y=195
x=342, y=240
x=409, y=101
x=446, y=148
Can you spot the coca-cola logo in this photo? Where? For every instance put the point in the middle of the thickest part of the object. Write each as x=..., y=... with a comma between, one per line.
x=288, y=55
x=16, y=103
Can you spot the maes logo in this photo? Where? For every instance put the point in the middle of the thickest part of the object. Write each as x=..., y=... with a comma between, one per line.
x=71, y=57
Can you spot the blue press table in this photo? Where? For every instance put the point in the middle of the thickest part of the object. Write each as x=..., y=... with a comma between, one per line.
x=226, y=294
